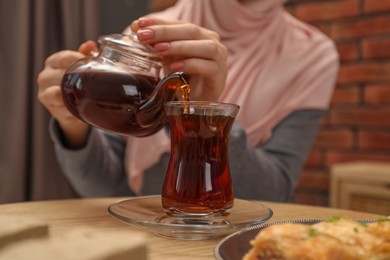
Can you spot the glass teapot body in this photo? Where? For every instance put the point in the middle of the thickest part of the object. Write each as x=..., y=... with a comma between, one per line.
x=109, y=90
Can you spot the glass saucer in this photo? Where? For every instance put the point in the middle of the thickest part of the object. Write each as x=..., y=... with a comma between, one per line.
x=147, y=213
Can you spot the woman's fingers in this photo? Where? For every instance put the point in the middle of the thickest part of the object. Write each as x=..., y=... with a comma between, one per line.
x=204, y=57
x=195, y=66
x=51, y=96
x=63, y=59
x=189, y=48
x=207, y=49
x=148, y=21
x=49, y=80
x=165, y=31
x=207, y=76
x=49, y=77
x=178, y=41
x=52, y=100
x=88, y=48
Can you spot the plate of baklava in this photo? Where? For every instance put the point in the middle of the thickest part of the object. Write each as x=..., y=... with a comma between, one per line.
x=312, y=239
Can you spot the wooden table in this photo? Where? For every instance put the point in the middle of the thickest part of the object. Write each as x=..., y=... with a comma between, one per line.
x=92, y=213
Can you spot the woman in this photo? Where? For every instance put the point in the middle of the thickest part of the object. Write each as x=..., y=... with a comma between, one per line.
x=253, y=53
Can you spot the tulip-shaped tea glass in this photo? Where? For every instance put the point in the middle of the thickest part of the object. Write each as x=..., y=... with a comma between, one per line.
x=198, y=182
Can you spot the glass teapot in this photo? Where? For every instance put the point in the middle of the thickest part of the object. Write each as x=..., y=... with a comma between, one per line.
x=120, y=89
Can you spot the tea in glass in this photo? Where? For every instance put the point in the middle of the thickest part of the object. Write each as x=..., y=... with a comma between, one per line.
x=198, y=181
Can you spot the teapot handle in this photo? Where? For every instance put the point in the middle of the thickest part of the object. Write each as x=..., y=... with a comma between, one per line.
x=152, y=109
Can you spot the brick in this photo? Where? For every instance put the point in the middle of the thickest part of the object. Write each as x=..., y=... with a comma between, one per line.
x=313, y=180
x=374, y=140
x=376, y=6
x=377, y=94
x=335, y=138
x=342, y=157
x=376, y=48
x=348, y=51
x=323, y=11
x=314, y=159
x=346, y=96
x=374, y=117
x=358, y=28
x=364, y=72
x=323, y=27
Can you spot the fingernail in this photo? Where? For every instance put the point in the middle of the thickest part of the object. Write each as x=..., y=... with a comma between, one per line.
x=145, y=22
x=162, y=46
x=145, y=34
x=134, y=26
x=176, y=66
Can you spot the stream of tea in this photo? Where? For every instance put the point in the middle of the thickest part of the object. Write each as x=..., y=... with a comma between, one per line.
x=185, y=96
x=185, y=92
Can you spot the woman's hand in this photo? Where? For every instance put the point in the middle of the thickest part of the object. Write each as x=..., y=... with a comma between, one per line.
x=49, y=93
x=189, y=48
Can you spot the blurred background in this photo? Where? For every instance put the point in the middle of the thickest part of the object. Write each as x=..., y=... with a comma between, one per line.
x=349, y=165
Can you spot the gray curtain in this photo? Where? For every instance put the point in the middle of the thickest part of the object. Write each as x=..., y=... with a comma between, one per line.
x=31, y=30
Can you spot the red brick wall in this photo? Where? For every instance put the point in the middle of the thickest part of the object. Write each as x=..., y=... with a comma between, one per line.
x=358, y=123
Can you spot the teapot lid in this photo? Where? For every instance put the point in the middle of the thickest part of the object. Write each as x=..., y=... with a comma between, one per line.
x=129, y=43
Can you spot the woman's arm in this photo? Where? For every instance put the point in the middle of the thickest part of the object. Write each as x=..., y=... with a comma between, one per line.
x=97, y=169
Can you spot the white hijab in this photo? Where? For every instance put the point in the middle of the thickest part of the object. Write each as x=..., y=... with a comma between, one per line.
x=277, y=64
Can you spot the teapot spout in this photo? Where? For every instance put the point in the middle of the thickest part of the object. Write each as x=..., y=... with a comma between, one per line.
x=152, y=110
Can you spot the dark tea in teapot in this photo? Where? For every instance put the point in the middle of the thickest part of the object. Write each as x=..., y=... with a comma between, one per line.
x=120, y=90
x=114, y=109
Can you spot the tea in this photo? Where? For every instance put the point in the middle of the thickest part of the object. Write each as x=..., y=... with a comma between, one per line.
x=185, y=92
x=109, y=100
x=198, y=177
